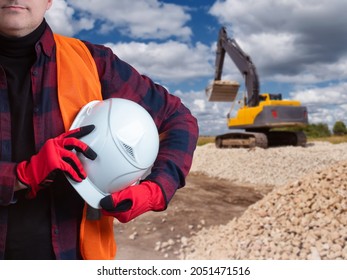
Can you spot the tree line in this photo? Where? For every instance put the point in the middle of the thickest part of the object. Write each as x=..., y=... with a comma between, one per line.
x=322, y=130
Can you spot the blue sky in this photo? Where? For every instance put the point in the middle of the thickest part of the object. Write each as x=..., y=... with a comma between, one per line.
x=298, y=47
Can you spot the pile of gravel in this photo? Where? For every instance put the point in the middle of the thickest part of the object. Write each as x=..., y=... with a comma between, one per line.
x=304, y=217
x=274, y=166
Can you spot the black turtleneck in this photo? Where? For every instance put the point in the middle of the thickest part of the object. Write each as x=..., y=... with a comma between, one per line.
x=17, y=55
x=29, y=225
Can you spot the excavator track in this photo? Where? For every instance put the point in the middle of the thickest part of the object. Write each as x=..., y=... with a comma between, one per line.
x=260, y=139
x=241, y=140
x=286, y=138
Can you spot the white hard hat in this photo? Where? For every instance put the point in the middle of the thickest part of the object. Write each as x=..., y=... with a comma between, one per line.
x=126, y=141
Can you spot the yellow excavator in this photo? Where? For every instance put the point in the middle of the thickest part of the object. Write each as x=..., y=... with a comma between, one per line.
x=262, y=119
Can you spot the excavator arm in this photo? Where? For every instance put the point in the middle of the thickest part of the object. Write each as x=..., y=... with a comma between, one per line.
x=242, y=61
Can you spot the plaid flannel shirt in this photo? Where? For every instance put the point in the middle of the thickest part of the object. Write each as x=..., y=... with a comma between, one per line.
x=178, y=129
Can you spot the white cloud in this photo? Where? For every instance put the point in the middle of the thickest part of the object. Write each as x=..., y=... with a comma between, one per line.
x=170, y=61
x=211, y=116
x=325, y=104
x=200, y=105
x=145, y=19
x=329, y=95
x=61, y=19
x=287, y=38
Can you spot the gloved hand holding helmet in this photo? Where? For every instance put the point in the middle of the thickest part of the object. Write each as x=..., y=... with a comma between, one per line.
x=126, y=141
x=56, y=155
x=133, y=201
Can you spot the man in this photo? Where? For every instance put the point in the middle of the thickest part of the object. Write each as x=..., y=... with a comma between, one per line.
x=41, y=215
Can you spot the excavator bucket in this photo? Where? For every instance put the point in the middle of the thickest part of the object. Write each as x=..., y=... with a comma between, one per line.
x=223, y=91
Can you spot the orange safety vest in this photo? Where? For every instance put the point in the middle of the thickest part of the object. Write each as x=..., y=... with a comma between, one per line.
x=78, y=84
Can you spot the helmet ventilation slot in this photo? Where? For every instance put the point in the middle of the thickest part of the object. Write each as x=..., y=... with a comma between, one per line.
x=129, y=150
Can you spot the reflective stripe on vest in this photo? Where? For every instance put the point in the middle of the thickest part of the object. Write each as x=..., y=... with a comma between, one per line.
x=78, y=84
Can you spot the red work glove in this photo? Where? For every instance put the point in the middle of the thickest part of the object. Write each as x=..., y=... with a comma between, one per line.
x=56, y=154
x=133, y=201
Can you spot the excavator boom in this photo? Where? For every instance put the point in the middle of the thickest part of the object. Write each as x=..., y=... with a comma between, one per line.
x=242, y=61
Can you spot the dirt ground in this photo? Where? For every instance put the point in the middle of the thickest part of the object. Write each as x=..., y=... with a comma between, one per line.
x=203, y=202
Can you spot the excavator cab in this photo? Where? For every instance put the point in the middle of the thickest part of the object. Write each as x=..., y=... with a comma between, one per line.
x=270, y=96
